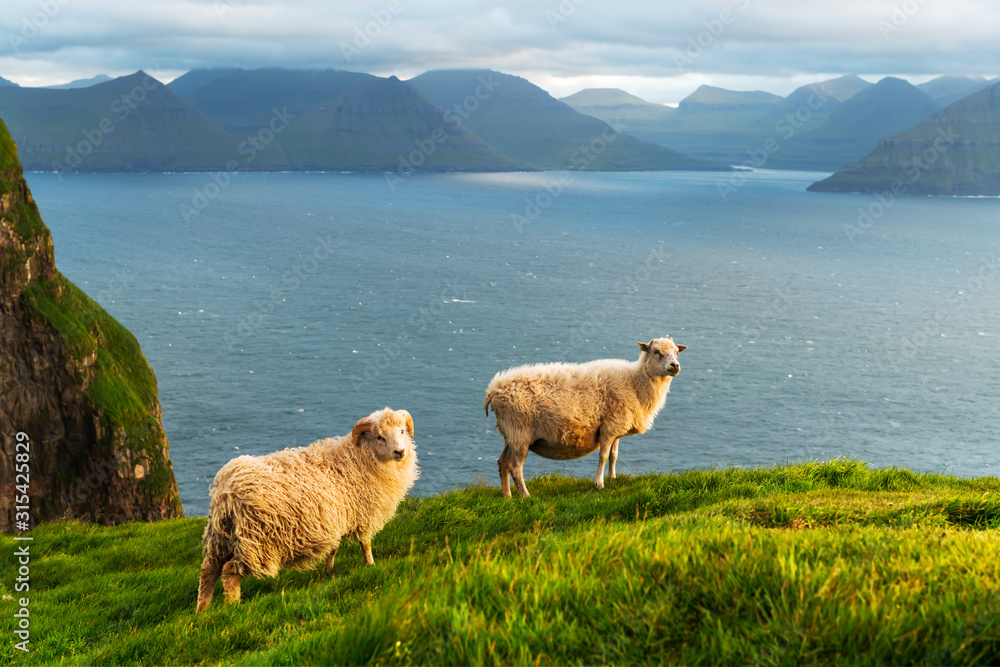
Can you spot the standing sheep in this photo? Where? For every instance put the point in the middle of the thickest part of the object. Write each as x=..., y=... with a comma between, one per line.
x=567, y=411
x=293, y=507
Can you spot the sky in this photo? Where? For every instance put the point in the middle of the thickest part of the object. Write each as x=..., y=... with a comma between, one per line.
x=660, y=50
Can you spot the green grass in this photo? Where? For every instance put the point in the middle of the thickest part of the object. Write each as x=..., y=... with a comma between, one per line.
x=821, y=563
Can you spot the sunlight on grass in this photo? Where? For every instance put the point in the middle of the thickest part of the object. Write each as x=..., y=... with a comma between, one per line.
x=808, y=563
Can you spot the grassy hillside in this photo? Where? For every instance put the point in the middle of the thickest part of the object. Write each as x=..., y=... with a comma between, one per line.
x=76, y=379
x=815, y=563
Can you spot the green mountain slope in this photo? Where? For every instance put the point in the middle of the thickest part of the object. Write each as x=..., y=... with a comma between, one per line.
x=521, y=120
x=854, y=127
x=830, y=563
x=133, y=123
x=954, y=152
x=244, y=101
x=385, y=125
x=76, y=384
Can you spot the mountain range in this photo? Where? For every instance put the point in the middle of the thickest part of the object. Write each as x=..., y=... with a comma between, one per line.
x=955, y=151
x=820, y=126
x=470, y=120
x=270, y=119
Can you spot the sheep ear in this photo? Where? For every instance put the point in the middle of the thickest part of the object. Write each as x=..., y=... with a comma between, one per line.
x=644, y=346
x=409, y=420
x=681, y=348
x=361, y=427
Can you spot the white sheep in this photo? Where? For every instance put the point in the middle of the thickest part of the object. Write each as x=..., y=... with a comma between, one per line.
x=567, y=411
x=293, y=507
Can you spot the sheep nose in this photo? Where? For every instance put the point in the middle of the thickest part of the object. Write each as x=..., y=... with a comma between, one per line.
x=675, y=367
x=399, y=454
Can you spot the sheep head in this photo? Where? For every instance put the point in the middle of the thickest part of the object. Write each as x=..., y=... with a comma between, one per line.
x=387, y=433
x=660, y=357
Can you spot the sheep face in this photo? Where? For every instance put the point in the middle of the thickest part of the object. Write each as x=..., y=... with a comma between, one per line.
x=388, y=434
x=659, y=357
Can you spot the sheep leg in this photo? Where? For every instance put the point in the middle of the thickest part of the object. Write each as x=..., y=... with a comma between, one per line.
x=612, y=459
x=606, y=446
x=329, y=561
x=509, y=467
x=366, y=547
x=210, y=571
x=231, y=579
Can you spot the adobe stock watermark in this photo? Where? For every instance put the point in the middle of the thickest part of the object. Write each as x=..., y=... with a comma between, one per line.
x=249, y=148
x=899, y=17
x=762, y=321
x=785, y=127
x=121, y=108
x=454, y=121
x=418, y=324
x=118, y=281
x=22, y=524
x=370, y=31
x=602, y=315
x=223, y=7
x=914, y=168
x=562, y=13
x=291, y=281
x=33, y=24
x=958, y=298
x=581, y=158
x=715, y=27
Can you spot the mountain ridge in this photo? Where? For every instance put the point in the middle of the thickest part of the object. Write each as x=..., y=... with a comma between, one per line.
x=956, y=151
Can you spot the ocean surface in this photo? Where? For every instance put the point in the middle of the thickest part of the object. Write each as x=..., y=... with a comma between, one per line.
x=277, y=309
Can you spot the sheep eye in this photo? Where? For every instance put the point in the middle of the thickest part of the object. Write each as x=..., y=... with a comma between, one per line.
x=658, y=353
x=381, y=439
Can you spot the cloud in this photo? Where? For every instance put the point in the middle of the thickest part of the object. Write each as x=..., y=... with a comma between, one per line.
x=655, y=44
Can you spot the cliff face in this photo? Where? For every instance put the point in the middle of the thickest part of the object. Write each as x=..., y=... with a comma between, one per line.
x=954, y=152
x=75, y=381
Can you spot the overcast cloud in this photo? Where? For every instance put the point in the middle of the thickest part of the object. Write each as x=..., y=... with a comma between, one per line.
x=659, y=50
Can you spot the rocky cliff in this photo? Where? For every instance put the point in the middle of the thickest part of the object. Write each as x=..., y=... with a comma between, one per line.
x=75, y=382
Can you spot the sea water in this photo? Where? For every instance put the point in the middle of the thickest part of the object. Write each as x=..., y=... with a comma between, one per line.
x=277, y=309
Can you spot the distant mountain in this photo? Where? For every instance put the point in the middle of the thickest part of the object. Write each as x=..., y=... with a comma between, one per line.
x=856, y=126
x=133, y=123
x=710, y=98
x=643, y=120
x=614, y=104
x=841, y=89
x=524, y=122
x=243, y=101
x=385, y=125
x=948, y=89
x=82, y=83
x=954, y=152
x=5, y=82
x=714, y=123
